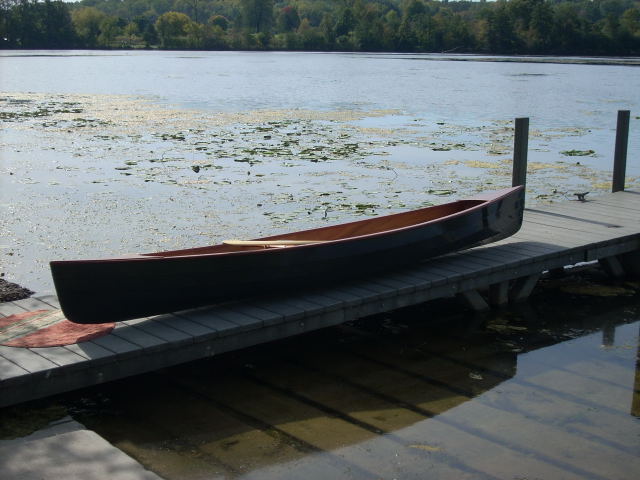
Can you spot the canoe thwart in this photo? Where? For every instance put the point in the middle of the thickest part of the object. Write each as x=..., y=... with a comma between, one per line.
x=269, y=243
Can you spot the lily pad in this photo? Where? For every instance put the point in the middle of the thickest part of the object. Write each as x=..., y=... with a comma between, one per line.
x=578, y=153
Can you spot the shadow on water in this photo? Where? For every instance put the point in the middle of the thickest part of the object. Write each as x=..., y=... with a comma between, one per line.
x=549, y=390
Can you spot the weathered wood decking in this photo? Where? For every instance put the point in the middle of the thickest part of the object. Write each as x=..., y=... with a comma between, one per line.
x=604, y=228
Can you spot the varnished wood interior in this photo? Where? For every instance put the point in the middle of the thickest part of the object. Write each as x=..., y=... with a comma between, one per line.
x=343, y=231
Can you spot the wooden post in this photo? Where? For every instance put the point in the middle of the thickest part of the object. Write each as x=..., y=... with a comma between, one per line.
x=620, y=155
x=608, y=335
x=499, y=293
x=520, y=148
x=631, y=263
x=635, y=400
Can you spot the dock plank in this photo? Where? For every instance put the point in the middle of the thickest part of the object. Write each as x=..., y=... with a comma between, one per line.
x=160, y=326
x=407, y=276
x=51, y=300
x=251, y=309
x=573, y=226
x=139, y=337
x=286, y=309
x=552, y=237
x=347, y=298
x=326, y=302
x=9, y=308
x=9, y=370
x=223, y=321
x=90, y=351
x=552, y=234
x=117, y=345
x=27, y=359
x=32, y=303
x=592, y=214
x=191, y=328
x=400, y=287
x=423, y=271
x=61, y=356
x=624, y=203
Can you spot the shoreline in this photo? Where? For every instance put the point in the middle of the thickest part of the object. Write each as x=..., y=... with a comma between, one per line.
x=630, y=61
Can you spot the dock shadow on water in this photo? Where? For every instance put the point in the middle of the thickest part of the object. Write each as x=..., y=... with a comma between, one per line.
x=550, y=390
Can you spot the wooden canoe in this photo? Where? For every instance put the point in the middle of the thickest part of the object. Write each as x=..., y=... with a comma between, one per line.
x=105, y=290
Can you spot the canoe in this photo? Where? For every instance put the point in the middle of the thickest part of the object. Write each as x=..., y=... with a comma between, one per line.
x=139, y=285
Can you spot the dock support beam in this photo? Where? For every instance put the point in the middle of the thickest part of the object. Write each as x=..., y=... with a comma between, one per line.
x=631, y=263
x=520, y=149
x=523, y=287
x=612, y=266
x=620, y=155
x=475, y=300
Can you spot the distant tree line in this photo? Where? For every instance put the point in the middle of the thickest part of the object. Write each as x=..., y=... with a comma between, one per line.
x=562, y=27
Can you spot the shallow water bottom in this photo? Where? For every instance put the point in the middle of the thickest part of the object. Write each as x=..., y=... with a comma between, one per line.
x=547, y=390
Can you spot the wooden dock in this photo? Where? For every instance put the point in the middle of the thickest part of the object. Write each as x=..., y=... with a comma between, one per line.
x=605, y=229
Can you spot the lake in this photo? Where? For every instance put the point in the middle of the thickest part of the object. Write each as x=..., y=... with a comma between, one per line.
x=107, y=153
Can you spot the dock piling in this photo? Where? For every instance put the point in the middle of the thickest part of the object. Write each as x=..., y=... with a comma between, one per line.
x=520, y=149
x=620, y=155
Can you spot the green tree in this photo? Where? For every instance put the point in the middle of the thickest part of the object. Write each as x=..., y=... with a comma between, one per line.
x=630, y=21
x=219, y=21
x=414, y=8
x=328, y=31
x=540, y=29
x=369, y=29
x=257, y=15
x=390, y=33
x=288, y=19
x=346, y=22
x=196, y=34
x=150, y=35
x=86, y=21
x=58, y=28
x=109, y=30
x=309, y=37
x=173, y=28
x=501, y=36
x=26, y=25
x=6, y=24
x=567, y=30
x=596, y=27
x=215, y=38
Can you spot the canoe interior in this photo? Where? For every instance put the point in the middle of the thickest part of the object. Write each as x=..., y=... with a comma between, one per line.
x=344, y=231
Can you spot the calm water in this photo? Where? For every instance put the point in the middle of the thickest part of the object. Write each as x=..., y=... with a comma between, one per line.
x=105, y=153
x=553, y=95
x=549, y=390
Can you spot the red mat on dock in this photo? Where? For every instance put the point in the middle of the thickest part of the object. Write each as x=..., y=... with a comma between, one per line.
x=47, y=328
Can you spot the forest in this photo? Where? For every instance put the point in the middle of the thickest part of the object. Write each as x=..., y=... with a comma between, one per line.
x=530, y=27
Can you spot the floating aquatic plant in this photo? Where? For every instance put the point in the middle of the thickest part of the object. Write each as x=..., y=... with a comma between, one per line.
x=578, y=153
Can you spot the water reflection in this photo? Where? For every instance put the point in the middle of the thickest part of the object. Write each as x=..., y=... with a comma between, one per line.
x=635, y=403
x=521, y=394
